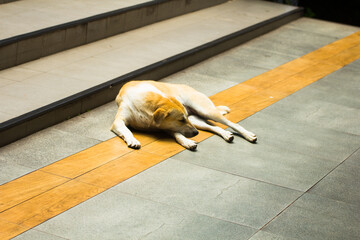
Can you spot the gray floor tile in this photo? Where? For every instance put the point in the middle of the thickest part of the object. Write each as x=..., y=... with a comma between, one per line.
x=342, y=184
x=260, y=161
x=340, y=87
x=227, y=68
x=277, y=130
x=329, y=94
x=262, y=235
x=346, y=78
x=290, y=41
x=248, y=55
x=209, y=192
x=10, y=170
x=44, y=147
x=331, y=102
x=259, y=9
x=94, y=124
x=355, y=65
x=317, y=26
x=114, y=215
x=201, y=227
x=354, y=159
x=37, y=235
x=320, y=113
x=315, y=217
x=206, y=84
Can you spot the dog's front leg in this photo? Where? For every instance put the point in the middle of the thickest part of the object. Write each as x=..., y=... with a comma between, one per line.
x=119, y=128
x=185, y=142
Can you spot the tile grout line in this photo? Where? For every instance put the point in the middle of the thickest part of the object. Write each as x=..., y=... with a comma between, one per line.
x=240, y=176
x=259, y=108
x=303, y=193
x=192, y=211
x=307, y=192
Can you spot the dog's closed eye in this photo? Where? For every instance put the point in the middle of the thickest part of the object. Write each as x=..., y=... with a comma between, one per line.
x=183, y=120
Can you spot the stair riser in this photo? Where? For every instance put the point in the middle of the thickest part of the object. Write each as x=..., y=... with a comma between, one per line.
x=7, y=1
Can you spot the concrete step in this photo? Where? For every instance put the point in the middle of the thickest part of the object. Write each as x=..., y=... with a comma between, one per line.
x=6, y=1
x=36, y=28
x=46, y=91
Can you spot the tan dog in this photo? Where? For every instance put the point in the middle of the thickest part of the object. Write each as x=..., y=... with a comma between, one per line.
x=174, y=108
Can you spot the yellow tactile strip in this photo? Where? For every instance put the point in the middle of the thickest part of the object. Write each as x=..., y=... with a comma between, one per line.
x=34, y=198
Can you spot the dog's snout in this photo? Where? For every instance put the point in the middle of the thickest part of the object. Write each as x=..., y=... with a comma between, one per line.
x=191, y=133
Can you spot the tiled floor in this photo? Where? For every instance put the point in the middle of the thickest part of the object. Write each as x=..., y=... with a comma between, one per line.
x=298, y=182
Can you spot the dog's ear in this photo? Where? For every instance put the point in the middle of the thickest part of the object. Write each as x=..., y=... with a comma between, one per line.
x=159, y=115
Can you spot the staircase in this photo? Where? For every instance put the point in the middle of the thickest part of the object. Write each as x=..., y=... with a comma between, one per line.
x=59, y=59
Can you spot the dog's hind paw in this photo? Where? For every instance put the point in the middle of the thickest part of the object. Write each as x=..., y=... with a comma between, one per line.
x=251, y=137
x=223, y=109
x=228, y=136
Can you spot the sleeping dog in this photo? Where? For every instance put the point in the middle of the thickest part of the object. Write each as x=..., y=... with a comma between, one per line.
x=174, y=108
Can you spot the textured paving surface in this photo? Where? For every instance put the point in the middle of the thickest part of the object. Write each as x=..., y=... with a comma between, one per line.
x=298, y=182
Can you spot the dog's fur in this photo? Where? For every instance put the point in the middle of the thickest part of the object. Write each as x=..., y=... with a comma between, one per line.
x=174, y=108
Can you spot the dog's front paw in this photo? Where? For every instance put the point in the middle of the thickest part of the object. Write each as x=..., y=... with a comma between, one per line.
x=189, y=144
x=133, y=143
x=251, y=137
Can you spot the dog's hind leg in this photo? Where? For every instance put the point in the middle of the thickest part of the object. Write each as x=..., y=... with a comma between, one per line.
x=203, y=125
x=216, y=116
x=119, y=128
x=202, y=106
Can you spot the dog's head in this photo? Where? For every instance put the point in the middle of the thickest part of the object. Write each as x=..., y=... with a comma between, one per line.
x=172, y=116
